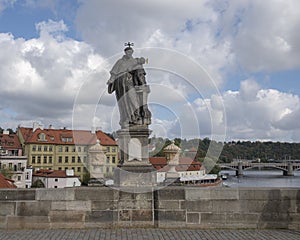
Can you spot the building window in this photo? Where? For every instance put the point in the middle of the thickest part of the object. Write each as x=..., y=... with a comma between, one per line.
x=73, y=149
x=79, y=149
x=45, y=159
x=66, y=168
x=55, y=186
x=60, y=159
x=27, y=176
x=56, y=179
x=85, y=149
x=39, y=148
x=33, y=159
x=19, y=178
x=59, y=168
x=60, y=148
x=45, y=148
x=113, y=149
x=42, y=137
x=39, y=159
x=50, y=148
x=73, y=159
x=66, y=149
x=79, y=169
x=79, y=159
x=34, y=148
x=107, y=149
x=66, y=159
x=107, y=159
x=50, y=159
x=113, y=159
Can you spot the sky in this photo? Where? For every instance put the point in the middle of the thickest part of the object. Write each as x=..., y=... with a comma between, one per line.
x=223, y=69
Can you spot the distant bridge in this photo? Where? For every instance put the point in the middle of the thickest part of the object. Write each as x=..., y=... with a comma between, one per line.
x=288, y=168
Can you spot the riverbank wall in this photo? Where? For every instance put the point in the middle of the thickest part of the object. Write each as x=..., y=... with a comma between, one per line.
x=170, y=207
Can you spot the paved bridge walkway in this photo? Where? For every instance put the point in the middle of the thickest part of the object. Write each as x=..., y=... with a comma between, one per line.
x=149, y=234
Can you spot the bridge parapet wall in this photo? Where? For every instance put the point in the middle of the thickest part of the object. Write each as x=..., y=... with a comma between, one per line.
x=171, y=207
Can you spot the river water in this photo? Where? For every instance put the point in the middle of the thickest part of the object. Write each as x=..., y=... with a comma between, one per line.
x=262, y=178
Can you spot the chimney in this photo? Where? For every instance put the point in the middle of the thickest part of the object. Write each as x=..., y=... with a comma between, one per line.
x=36, y=126
x=5, y=132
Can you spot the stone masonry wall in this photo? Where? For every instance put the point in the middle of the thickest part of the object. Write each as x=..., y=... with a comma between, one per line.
x=171, y=207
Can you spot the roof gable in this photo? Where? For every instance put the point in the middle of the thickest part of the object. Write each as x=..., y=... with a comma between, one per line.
x=65, y=136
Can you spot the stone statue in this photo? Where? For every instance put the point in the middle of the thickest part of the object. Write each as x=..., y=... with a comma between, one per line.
x=129, y=84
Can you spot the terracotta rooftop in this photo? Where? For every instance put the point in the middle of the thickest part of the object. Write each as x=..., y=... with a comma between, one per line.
x=65, y=136
x=185, y=164
x=10, y=141
x=6, y=183
x=51, y=174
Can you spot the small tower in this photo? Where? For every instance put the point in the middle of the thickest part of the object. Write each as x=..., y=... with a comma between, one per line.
x=172, y=153
x=96, y=161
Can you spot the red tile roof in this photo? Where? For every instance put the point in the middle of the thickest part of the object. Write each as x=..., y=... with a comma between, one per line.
x=185, y=164
x=10, y=141
x=65, y=136
x=6, y=183
x=51, y=174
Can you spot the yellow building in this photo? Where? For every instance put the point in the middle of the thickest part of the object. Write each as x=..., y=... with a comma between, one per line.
x=60, y=149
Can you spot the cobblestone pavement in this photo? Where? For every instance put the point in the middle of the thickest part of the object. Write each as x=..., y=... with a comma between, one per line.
x=149, y=234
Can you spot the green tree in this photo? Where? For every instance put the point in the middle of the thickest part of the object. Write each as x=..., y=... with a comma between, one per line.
x=38, y=184
x=6, y=172
x=86, y=178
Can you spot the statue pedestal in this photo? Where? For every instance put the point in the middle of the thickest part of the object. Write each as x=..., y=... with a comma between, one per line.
x=135, y=170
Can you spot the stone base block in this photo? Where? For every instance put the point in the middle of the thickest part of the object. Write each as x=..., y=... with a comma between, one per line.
x=139, y=178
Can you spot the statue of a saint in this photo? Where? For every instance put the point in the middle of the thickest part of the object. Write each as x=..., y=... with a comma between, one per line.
x=129, y=84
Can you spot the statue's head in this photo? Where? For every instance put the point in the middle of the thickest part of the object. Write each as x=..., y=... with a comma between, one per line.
x=128, y=51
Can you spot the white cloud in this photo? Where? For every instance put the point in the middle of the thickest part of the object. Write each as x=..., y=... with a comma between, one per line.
x=6, y=3
x=264, y=34
x=39, y=78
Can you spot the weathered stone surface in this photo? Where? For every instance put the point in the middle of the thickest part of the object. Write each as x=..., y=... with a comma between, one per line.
x=133, y=204
x=101, y=216
x=169, y=204
x=17, y=194
x=199, y=206
x=252, y=206
x=224, y=194
x=60, y=194
x=31, y=222
x=177, y=216
x=3, y=224
x=193, y=218
x=66, y=216
x=236, y=218
x=71, y=205
x=103, y=205
x=125, y=215
x=225, y=206
x=174, y=193
x=102, y=193
x=213, y=218
x=142, y=215
x=194, y=194
x=7, y=208
x=33, y=208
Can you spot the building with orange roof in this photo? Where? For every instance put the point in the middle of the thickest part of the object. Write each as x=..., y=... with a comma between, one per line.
x=56, y=178
x=6, y=183
x=10, y=144
x=188, y=170
x=62, y=149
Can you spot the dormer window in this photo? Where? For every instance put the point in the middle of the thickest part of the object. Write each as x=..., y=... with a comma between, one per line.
x=66, y=139
x=42, y=137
